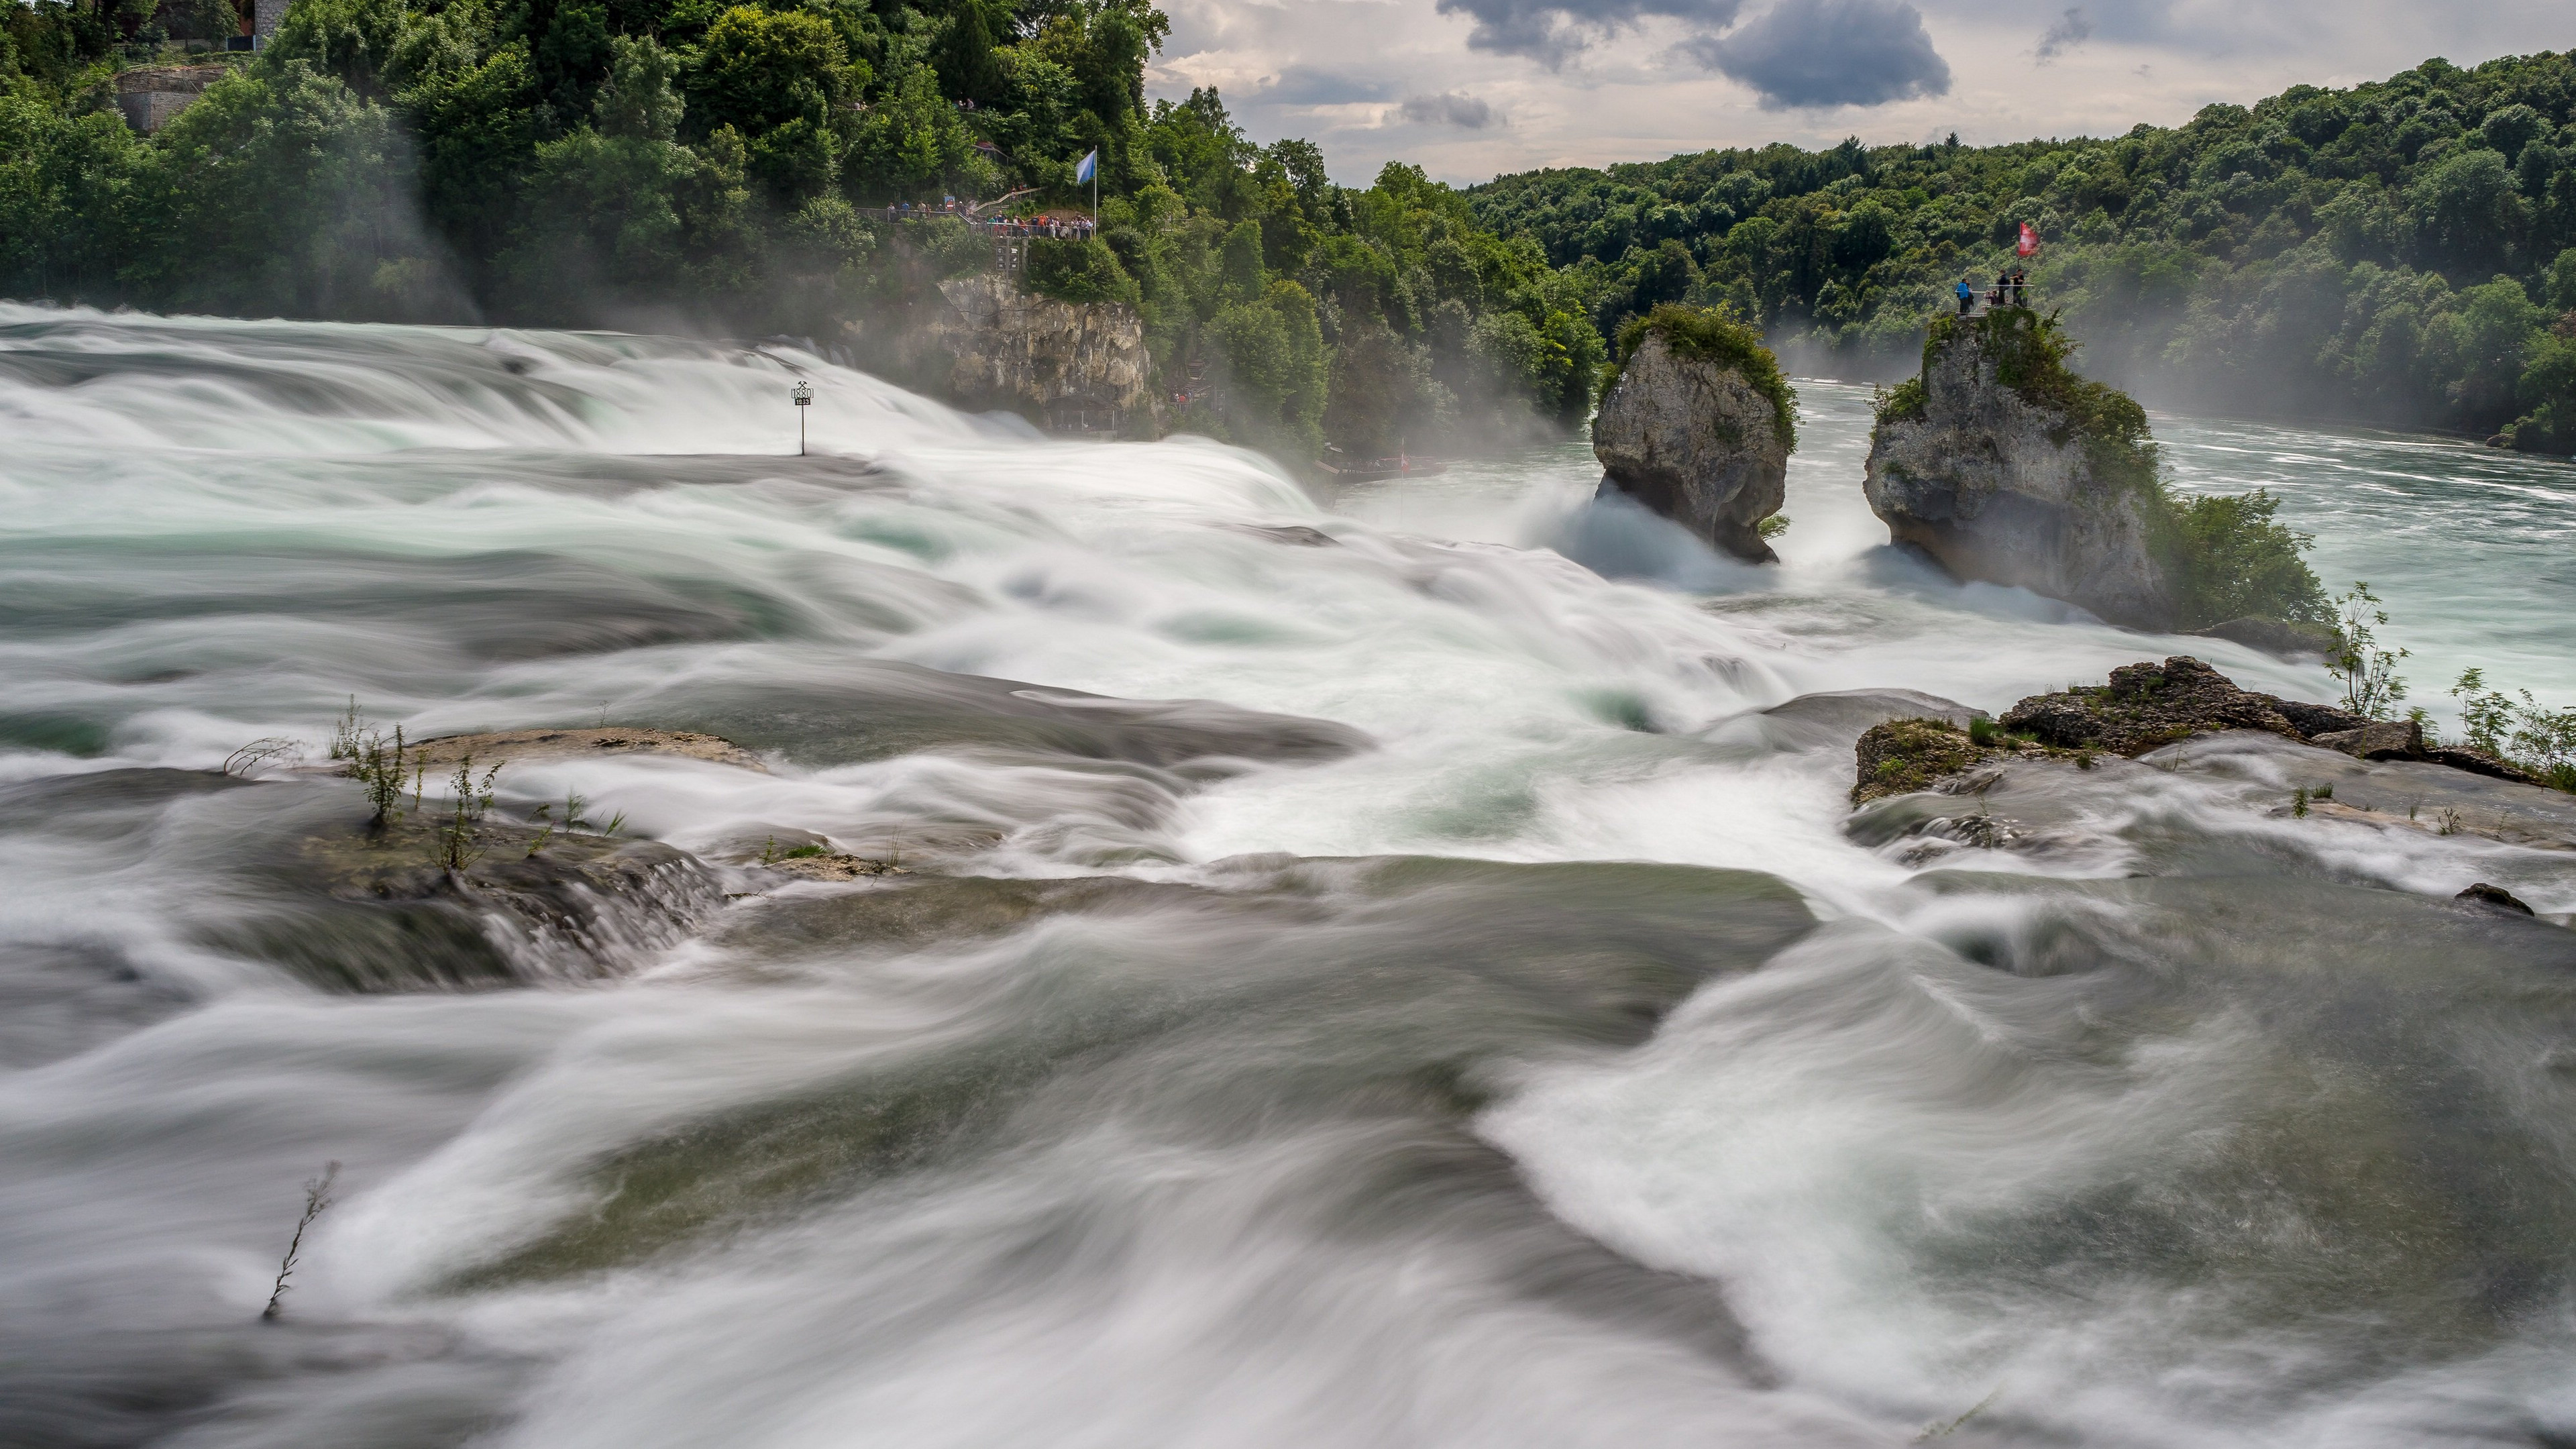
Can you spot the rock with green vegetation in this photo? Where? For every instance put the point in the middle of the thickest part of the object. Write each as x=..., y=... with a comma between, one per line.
x=1906, y=755
x=1697, y=425
x=2147, y=706
x=1902, y=756
x=2007, y=468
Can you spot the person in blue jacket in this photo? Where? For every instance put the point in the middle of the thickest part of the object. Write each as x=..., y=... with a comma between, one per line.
x=1967, y=296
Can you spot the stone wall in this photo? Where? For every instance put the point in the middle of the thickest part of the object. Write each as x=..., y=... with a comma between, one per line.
x=149, y=98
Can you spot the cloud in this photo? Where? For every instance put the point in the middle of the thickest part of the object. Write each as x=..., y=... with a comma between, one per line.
x=1307, y=85
x=1831, y=53
x=2065, y=35
x=1453, y=108
x=1552, y=31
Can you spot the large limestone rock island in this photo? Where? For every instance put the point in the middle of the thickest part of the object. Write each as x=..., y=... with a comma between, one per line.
x=2007, y=468
x=1698, y=427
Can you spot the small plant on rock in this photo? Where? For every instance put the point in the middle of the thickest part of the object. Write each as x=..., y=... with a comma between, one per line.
x=2539, y=740
x=459, y=845
x=2371, y=685
x=380, y=766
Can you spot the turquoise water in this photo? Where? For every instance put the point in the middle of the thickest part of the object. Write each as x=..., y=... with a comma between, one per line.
x=1394, y=967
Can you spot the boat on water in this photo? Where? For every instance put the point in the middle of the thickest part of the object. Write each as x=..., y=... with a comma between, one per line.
x=1364, y=470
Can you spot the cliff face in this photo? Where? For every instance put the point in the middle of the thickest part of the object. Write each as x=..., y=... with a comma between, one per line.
x=2004, y=488
x=1689, y=438
x=1077, y=366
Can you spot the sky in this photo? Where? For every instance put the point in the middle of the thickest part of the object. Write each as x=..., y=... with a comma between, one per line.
x=1469, y=89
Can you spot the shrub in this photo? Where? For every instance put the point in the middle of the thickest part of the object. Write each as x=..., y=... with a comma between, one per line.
x=1072, y=270
x=1902, y=403
x=2232, y=559
x=2538, y=739
x=1714, y=334
x=2371, y=685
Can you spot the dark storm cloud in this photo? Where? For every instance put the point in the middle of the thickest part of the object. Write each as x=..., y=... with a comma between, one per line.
x=1551, y=31
x=1453, y=108
x=1831, y=53
x=1307, y=85
x=2069, y=32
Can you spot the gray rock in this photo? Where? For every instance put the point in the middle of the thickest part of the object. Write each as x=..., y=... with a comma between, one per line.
x=1691, y=439
x=2493, y=895
x=2379, y=740
x=1997, y=488
x=2273, y=637
x=1060, y=360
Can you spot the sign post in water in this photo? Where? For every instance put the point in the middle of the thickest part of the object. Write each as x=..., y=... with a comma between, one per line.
x=804, y=399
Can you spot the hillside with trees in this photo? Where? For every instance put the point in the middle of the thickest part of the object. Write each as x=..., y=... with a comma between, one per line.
x=2398, y=251
x=729, y=168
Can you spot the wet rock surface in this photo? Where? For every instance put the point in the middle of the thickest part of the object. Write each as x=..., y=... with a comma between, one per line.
x=2072, y=775
x=2273, y=637
x=1689, y=438
x=529, y=905
x=494, y=748
x=2494, y=895
x=873, y=709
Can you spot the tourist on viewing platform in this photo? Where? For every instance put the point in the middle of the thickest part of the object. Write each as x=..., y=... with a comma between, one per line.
x=1967, y=297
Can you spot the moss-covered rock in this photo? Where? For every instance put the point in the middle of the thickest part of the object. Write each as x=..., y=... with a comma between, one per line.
x=2148, y=706
x=1906, y=755
x=2006, y=467
x=1697, y=425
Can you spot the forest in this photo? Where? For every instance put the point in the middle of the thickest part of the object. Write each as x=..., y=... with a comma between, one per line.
x=2398, y=251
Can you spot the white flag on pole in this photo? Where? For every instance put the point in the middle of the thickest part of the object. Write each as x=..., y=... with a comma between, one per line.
x=1089, y=168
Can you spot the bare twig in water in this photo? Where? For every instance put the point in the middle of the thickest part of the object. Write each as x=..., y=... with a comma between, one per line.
x=1944, y=1431
x=247, y=760
x=317, y=1196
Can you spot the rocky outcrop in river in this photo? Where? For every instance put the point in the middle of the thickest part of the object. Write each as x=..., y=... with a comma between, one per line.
x=2006, y=468
x=2144, y=708
x=1687, y=433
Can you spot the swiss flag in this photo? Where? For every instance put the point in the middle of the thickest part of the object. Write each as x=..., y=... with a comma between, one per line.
x=2029, y=245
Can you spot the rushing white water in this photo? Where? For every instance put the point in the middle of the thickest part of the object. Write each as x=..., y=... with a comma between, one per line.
x=1215, y=1081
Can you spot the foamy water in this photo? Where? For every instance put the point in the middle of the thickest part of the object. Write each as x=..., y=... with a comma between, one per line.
x=1553, y=1069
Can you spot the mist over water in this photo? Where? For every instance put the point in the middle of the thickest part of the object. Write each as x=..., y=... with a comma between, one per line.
x=1386, y=968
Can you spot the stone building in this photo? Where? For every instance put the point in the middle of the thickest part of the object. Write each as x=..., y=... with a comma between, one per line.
x=148, y=98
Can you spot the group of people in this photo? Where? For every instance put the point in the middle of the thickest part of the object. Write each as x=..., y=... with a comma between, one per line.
x=2009, y=288
x=1075, y=228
